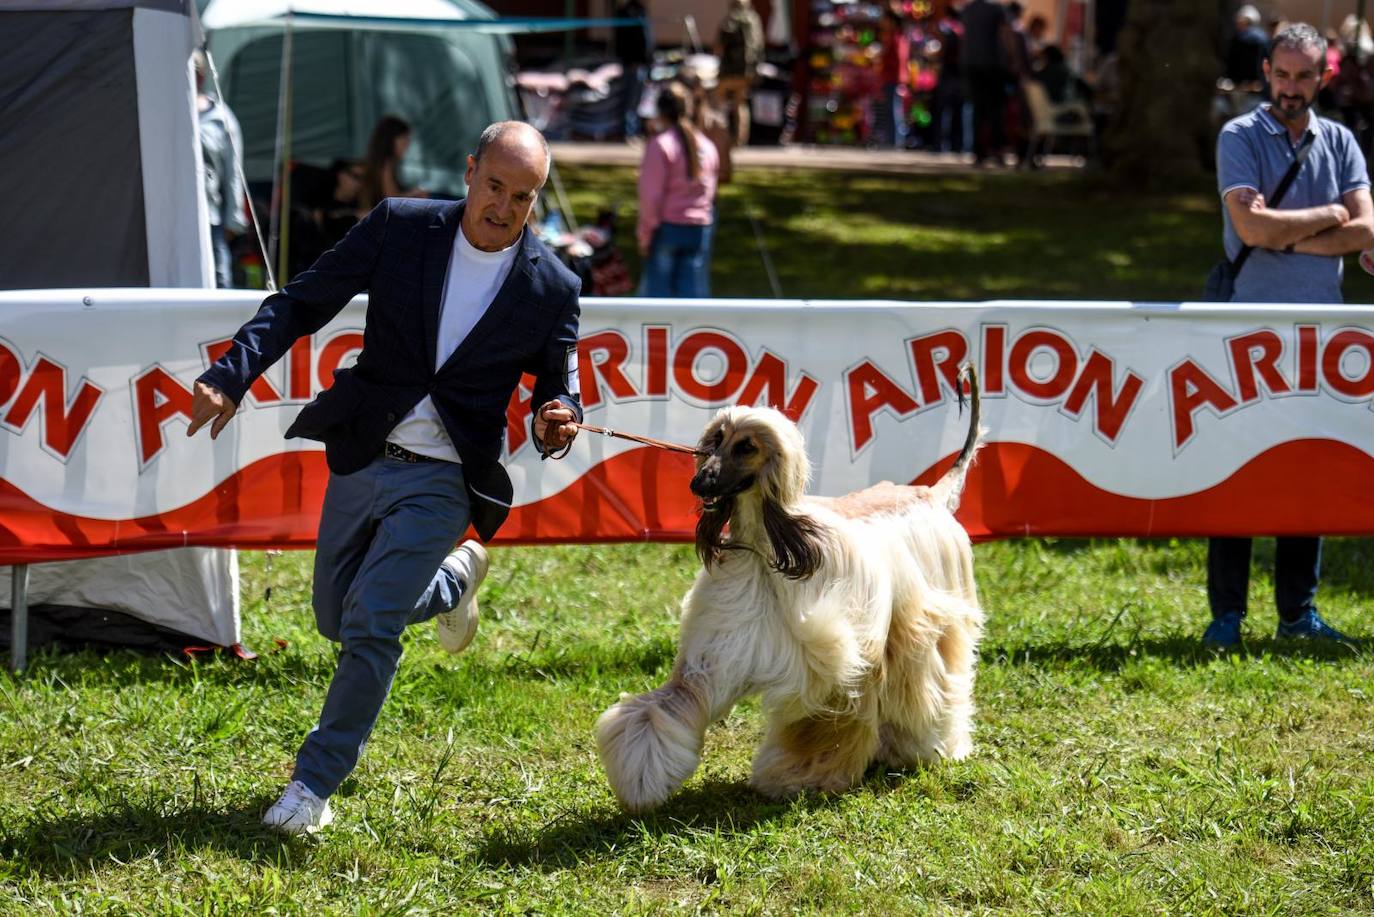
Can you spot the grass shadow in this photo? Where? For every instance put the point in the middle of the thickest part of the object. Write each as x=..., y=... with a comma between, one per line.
x=1183, y=651
x=717, y=807
x=69, y=845
x=111, y=665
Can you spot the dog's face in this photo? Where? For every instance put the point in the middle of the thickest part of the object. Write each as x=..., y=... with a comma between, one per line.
x=750, y=453
x=735, y=450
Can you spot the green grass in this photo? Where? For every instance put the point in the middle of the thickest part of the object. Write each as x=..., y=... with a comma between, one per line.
x=1055, y=235
x=1118, y=768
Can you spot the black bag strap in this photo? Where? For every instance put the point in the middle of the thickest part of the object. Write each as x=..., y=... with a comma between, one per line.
x=1298, y=159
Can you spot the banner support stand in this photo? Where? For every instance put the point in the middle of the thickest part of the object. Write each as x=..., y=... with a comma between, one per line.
x=19, y=616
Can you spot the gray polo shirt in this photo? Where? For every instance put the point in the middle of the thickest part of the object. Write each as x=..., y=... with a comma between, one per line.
x=1254, y=151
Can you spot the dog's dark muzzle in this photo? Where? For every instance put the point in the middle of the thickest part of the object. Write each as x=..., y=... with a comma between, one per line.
x=713, y=486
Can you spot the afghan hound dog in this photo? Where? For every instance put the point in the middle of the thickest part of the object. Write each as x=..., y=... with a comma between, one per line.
x=856, y=618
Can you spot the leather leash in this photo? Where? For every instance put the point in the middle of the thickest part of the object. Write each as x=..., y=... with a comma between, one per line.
x=645, y=440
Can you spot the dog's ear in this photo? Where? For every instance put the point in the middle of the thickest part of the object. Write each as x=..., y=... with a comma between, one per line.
x=797, y=540
x=787, y=471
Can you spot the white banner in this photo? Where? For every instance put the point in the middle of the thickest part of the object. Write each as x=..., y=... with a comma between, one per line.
x=1102, y=418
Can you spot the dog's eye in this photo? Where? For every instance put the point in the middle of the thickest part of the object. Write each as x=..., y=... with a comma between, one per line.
x=745, y=447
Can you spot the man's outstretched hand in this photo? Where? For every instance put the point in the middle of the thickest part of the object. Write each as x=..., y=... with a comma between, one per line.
x=553, y=425
x=208, y=404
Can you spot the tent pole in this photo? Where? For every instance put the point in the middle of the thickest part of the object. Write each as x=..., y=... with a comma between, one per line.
x=284, y=248
x=19, y=616
x=281, y=155
x=562, y=197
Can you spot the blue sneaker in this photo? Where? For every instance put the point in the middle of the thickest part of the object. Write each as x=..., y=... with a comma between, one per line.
x=1224, y=632
x=1309, y=627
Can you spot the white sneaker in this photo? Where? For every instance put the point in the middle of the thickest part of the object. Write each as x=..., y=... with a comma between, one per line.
x=458, y=625
x=298, y=811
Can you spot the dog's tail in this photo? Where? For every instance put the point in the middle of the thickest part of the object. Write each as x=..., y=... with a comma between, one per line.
x=950, y=487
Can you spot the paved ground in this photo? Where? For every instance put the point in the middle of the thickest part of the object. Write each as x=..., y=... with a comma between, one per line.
x=840, y=158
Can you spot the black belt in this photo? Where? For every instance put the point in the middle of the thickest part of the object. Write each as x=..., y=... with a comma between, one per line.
x=402, y=454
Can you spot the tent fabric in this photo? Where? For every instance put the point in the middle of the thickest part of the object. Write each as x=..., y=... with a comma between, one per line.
x=502, y=26
x=52, y=6
x=69, y=139
x=449, y=85
x=237, y=13
x=178, y=219
x=190, y=591
x=101, y=183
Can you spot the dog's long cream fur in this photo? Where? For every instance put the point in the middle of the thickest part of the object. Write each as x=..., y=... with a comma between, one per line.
x=856, y=618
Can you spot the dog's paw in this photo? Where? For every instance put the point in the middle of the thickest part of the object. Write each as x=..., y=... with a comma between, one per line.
x=648, y=750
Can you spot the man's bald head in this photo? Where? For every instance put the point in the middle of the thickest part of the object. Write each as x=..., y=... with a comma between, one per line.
x=513, y=138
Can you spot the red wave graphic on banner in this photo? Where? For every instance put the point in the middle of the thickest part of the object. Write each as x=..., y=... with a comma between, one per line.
x=1304, y=487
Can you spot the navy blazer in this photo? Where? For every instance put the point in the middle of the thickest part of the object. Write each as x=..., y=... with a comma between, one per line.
x=399, y=254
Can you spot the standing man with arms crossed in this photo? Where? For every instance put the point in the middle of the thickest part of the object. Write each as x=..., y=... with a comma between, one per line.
x=1297, y=257
x=462, y=300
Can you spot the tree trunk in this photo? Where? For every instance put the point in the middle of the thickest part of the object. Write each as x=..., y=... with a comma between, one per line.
x=1169, y=63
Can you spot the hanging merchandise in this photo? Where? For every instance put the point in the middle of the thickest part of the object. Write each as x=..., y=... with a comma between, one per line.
x=845, y=101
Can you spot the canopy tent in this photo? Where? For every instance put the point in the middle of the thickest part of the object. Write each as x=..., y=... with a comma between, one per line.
x=441, y=64
x=98, y=134
x=348, y=63
x=309, y=79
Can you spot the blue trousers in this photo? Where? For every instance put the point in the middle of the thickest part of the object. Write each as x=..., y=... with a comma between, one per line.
x=224, y=268
x=709, y=237
x=677, y=261
x=893, y=128
x=384, y=532
x=1297, y=567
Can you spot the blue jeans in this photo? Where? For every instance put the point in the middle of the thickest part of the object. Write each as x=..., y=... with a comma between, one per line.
x=677, y=261
x=632, y=92
x=894, y=116
x=384, y=532
x=224, y=270
x=704, y=281
x=1297, y=567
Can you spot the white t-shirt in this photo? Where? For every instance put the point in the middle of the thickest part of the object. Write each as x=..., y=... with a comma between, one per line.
x=473, y=279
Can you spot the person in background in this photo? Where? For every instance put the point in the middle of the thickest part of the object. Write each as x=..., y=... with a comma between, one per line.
x=677, y=189
x=1297, y=256
x=1352, y=89
x=1018, y=57
x=221, y=183
x=631, y=47
x=1060, y=82
x=1245, y=55
x=1037, y=36
x=336, y=215
x=894, y=51
x=985, y=70
x=385, y=149
x=948, y=108
x=740, y=48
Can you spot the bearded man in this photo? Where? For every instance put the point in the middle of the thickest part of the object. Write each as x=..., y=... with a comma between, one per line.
x=1295, y=255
